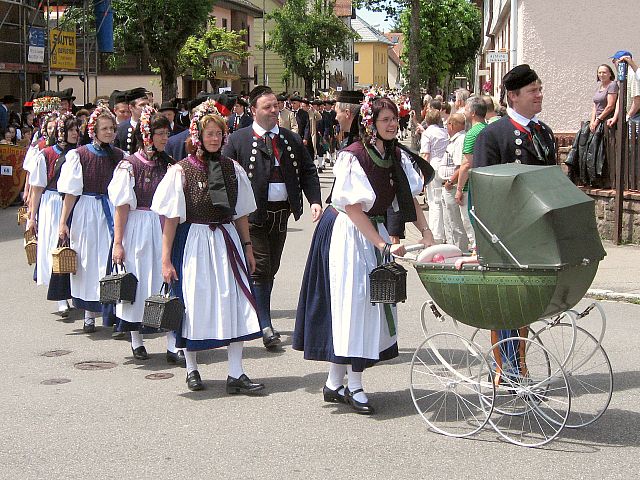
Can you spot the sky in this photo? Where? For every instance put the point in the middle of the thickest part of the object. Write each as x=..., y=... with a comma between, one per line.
x=375, y=20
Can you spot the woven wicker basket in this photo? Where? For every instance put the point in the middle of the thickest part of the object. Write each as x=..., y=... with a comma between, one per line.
x=118, y=286
x=388, y=283
x=64, y=260
x=29, y=235
x=163, y=310
x=23, y=215
x=31, y=249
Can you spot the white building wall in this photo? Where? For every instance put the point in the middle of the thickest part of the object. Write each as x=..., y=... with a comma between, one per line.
x=564, y=42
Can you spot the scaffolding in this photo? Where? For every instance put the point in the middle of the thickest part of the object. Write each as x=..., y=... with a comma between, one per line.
x=18, y=18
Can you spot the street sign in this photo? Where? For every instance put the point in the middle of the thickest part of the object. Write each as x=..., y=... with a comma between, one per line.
x=225, y=64
x=497, y=57
x=63, y=49
x=484, y=73
x=36, y=45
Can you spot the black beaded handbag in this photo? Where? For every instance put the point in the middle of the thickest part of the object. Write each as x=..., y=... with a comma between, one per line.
x=163, y=310
x=118, y=287
x=388, y=282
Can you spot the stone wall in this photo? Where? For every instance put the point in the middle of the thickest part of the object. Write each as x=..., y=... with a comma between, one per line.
x=605, y=214
x=605, y=201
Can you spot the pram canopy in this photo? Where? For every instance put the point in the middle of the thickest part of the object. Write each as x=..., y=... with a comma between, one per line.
x=542, y=218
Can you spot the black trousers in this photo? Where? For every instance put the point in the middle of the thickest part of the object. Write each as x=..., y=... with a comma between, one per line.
x=268, y=241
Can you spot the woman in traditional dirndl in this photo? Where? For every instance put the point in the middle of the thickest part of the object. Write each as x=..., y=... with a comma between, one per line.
x=84, y=178
x=46, y=110
x=206, y=199
x=47, y=203
x=137, y=241
x=336, y=321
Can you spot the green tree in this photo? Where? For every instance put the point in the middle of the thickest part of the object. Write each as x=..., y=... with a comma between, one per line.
x=159, y=29
x=449, y=38
x=393, y=9
x=307, y=34
x=194, y=55
x=442, y=37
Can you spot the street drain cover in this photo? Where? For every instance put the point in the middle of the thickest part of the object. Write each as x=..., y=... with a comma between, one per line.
x=55, y=381
x=95, y=365
x=159, y=376
x=56, y=353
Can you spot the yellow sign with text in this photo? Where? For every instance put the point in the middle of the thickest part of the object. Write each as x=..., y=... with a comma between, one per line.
x=63, y=49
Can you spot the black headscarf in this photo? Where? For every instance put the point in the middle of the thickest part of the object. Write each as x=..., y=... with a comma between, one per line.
x=217, y=185
x=401, y=182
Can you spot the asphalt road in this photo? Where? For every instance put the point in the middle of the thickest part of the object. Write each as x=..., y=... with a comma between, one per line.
x=116, y=423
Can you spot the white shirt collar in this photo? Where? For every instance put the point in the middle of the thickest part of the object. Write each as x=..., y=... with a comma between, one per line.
x=261, y=131
x=521, y=119
x=134, y=124
x=456, y=135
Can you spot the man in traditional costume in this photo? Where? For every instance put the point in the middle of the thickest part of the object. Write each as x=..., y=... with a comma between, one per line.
x=280, y=171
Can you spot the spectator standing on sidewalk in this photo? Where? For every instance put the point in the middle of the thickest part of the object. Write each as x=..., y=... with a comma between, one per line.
x=475, y=112
x=456, y=217
x=433, y=146
x=633, y=87
x=604, y=98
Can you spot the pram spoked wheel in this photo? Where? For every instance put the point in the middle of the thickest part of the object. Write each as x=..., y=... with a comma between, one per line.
x=449, y=385
x=533, y=400
x=587, y=368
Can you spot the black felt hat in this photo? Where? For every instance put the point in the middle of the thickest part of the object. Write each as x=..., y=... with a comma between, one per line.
x=198, y=100
x=257, y=92
x=67, y=94
x=519, y=77
x=350, y=96
x=167, y=106
x=295, y=98
x=117, y=96
x=281, y=97
x=243, y=102
x=304, y=100
x=136, y=93
x=8, y=99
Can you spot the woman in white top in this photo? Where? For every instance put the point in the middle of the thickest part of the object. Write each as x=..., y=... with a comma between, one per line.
x=206, y=252
x=84, y=178
x=137, y=243
x=45, y=207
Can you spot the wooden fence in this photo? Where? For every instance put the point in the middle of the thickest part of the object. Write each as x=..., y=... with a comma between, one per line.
x=630, y=160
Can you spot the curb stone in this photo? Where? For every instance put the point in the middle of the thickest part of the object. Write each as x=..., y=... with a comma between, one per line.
x=611, y=295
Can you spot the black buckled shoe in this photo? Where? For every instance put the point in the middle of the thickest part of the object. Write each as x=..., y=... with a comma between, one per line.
x=242, y=385
x=89, y=328
x=334, y=396
x=140, y=353
x=117, y=334
x=270, y=337
x=363, y=408
x=194, y=382
x=176, y=358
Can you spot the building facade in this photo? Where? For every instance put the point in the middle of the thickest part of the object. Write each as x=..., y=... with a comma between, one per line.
x=564, y=42
x=371, y=56
x=234, y=15
x=395, y=61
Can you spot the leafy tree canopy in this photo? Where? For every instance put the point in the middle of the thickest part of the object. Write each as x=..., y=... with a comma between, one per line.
x=449, y=38
x=159, y=28
x=307, y=34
